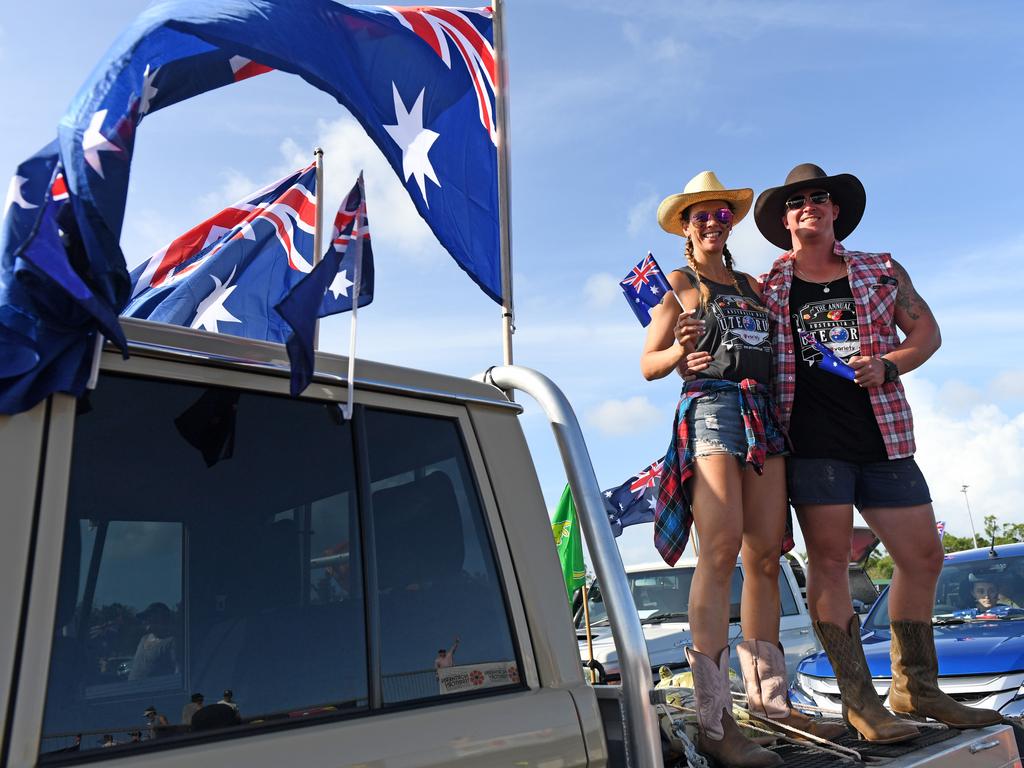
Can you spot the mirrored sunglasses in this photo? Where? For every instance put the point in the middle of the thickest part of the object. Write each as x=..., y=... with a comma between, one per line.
x=798, y=201
x=723, y=216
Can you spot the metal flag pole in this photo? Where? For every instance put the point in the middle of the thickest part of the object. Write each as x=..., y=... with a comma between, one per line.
x=504, y=183
x=318, y=232
x=590, y=638
x=970, y=517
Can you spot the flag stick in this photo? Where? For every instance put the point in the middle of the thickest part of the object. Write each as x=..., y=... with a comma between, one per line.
x=94, y=368
x=504, y=183
x=318, y=232
x=590, y=639
x=357, y=276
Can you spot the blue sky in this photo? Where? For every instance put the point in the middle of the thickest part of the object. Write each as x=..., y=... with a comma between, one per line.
x=614, y=106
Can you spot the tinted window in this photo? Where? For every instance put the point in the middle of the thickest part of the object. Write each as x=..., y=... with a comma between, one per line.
x=789, y=607
x=663, y=592
x=211, y=545
x=444, y=625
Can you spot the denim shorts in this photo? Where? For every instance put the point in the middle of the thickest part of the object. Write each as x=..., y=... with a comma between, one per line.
x=895, y=483
x=716, y=425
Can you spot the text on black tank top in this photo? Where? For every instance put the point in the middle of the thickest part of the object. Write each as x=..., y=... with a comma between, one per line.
x=736, y=332
x=832, y=417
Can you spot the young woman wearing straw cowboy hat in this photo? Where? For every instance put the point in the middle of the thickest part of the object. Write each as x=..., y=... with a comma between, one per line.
x=853, y=441
x=724, y=468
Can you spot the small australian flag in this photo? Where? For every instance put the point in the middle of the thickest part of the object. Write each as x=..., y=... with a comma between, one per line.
x=644, y=287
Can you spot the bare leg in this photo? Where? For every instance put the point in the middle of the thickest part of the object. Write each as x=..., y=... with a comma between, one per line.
x=827, y=529
x=764, y=524
x=716, y=496
x=907, y=534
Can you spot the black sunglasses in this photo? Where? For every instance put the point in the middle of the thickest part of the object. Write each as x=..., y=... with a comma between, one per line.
x=797, y=201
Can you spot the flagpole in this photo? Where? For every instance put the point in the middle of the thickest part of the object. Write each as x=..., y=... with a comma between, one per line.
x=590, y=639
x=357, y=277
x=504, y=183
x=318, y=232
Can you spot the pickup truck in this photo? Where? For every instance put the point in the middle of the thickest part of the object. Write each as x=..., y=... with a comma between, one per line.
x=380, y=590
x=661, y=594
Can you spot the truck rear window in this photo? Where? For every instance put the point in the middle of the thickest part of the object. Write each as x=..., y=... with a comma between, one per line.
x=215, y=568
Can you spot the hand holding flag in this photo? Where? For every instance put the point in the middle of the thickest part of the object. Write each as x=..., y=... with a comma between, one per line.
x=644, y=288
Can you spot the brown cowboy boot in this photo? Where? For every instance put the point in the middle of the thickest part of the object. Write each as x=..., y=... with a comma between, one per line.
x=915, y=687
x=764, y=676
x=718, y=736
x=862, y=708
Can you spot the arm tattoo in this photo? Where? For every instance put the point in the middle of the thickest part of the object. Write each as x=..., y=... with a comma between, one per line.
x=907, y=297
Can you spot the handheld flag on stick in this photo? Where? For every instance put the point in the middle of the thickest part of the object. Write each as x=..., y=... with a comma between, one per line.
x=940, y=528
x=325, y=290
x=829, y=360
x=644, y=288
x=633, y=502
x=569, y=543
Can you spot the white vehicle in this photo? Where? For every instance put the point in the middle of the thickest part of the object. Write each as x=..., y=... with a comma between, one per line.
x=662, y=594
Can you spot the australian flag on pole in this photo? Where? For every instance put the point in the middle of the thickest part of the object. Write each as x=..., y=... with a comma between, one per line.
x=644, y=288
x=342, y=280
x=226, y=274
x=633, y=501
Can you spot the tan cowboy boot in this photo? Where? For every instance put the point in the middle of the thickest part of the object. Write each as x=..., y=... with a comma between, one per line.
x=764, y=675
x=718, y=735
x=915, y=687
x=862, y=708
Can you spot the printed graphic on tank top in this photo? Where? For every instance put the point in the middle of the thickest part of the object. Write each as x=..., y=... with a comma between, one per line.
x=832, y=417
x=736, y=333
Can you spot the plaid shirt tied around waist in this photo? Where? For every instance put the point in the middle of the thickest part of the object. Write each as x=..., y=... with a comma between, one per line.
x=673, y=515
x=875, y=303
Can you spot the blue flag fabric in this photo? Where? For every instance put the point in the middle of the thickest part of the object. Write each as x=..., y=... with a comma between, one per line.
x=421, y=81
x=48, y=305
x=644, y=288
x=231, y=282
x=633, y=502
x=329, y=289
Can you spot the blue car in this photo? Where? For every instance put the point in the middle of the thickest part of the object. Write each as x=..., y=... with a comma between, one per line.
x=979, y=636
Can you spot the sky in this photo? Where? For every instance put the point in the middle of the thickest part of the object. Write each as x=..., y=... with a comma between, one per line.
x=614, y=106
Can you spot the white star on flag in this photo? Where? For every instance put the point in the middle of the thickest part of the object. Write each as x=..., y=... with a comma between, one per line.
x=14, y=195
x=652, y=502
x=340, y=284
x=148, y=91
x=211, y=310
x=414, y=140
x=94, y=142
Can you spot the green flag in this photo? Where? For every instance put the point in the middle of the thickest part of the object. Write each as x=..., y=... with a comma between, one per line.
x=569, y=543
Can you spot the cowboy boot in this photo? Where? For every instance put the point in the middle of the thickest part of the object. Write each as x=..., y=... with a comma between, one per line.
x=718, y=736
x=764, y=676
x=862, y=708
x=915, y=687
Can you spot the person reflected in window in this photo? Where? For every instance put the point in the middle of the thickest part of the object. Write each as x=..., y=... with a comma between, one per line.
x=229, y=700
x=156, y=653
x=108, y=741
x=156, y=723
x=191, y=708
x=446, y=656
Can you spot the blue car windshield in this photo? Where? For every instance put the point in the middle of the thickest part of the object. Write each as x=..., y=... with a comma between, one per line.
x=974, y=590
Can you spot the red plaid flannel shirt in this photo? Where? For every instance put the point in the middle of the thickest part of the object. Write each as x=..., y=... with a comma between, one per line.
x=876, y=305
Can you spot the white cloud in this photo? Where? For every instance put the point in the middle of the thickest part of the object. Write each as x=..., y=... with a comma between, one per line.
x=601, y=290
x=751, y=252
x=668, y=48
x=642, y=215
x=976, y=445
x=1009, y=385
x=144, y=233
x=234, y=186
x=623, y=417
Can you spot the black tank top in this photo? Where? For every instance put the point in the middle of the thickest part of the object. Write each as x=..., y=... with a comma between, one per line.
x=735, y=332
x=832, y=417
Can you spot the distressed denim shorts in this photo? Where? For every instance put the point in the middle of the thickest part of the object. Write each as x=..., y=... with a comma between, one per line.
x=716, y=425
x=868, y=485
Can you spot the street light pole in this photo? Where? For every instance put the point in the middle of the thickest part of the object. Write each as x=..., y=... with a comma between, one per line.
x=963, y=490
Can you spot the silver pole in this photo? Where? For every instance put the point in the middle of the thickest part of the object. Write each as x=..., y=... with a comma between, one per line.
x=508, y=326
x=318, y=232
x=642, y=733
x=974, y=533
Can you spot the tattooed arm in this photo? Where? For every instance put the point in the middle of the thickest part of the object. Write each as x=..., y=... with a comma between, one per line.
x=914, y=317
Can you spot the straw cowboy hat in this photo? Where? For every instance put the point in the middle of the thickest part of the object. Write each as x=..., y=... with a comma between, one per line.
x=845, y=189
x=704, y=186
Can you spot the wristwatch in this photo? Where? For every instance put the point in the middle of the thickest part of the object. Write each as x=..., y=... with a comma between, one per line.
x=891, y=371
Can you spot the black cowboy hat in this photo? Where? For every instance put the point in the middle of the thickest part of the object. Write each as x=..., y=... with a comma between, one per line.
x=846, y=190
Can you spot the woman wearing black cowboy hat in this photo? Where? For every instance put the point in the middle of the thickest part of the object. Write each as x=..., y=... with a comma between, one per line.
x=853, y=440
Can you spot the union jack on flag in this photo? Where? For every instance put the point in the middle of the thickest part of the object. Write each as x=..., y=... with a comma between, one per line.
x=633, y=501
x=226, y=274
x=940, y=527
x=644, y=287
